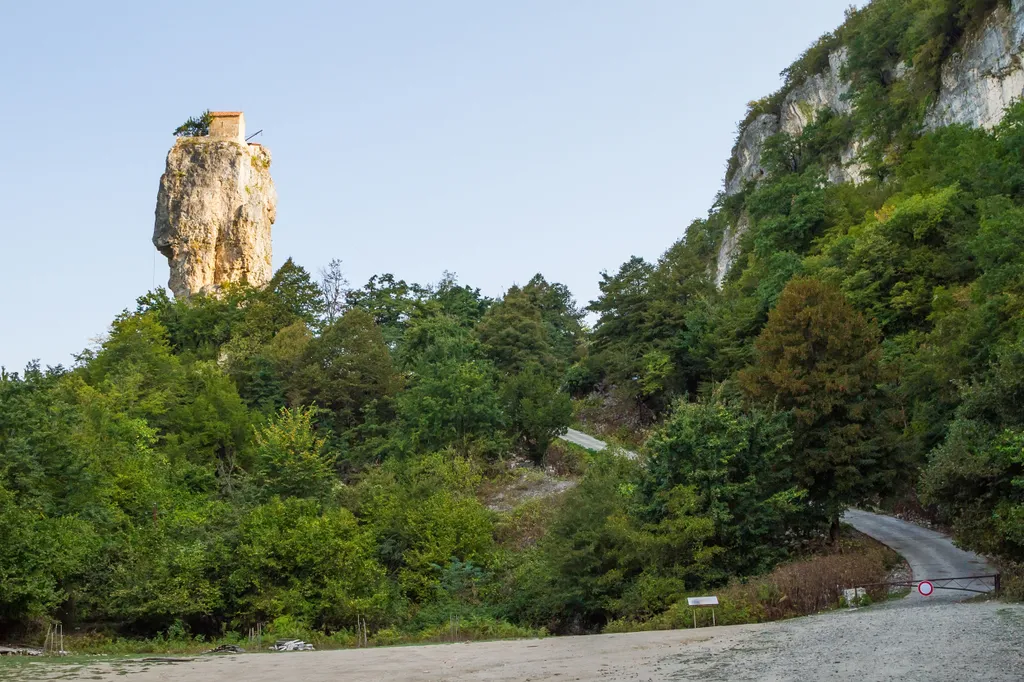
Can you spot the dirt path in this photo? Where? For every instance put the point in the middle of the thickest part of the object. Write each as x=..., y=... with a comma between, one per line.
x=933, y=641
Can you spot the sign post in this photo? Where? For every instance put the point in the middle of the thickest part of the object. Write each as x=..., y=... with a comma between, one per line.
x=925, y=588
x=703, y=603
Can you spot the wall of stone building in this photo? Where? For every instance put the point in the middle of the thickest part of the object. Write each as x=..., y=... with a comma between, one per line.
x=228, y=127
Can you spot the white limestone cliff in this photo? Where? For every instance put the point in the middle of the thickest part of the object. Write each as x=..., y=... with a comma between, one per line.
x=982, y=77
x=985, y=75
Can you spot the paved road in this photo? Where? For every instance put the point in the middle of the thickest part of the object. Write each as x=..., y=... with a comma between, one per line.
x=929, y=553
x=590, y=443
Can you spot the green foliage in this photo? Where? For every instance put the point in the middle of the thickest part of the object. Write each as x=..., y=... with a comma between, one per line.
x=315, y=566
x=39, y=555
x=424, y=516
x=195, y=126
x=537, y=412
x=391, y=302
x=342, y=370
x=513, y=335
x=738, y=465
x=819, y=358
x=289, y=458
x=600, y=560
x=451, y=404
x=227, y=461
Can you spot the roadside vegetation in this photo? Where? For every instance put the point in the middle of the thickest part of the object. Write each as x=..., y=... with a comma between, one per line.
x=799, y=587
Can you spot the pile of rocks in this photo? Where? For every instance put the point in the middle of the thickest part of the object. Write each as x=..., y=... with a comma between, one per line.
x=291, y=645
x=20, y=651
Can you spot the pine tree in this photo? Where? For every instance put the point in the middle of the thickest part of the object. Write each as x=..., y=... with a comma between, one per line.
x=820, y=359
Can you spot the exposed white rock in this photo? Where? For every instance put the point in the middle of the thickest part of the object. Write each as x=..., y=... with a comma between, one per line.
x=748, y=151
x=985, y=75
x=214, y=213
x=821, y=91
x=850, y=167
x=729, y=247
x=826, y=90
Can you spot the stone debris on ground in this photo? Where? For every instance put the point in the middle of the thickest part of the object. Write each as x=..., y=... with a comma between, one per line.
x=292, y=645
x=227, y=649
x=21, y=651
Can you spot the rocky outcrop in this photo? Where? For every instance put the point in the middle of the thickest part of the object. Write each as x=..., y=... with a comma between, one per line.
x=747, y=153
x=985, y=75
x=826, y=90
x=729, y=248
x=978, y=82
x=850, y=167
x=214, y=212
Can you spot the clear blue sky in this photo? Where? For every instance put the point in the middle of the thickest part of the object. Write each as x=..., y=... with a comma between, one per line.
x=491, y=138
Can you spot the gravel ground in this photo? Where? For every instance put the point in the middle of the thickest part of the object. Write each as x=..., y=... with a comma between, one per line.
x=907, y=641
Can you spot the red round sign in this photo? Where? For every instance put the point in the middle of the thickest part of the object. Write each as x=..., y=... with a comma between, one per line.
x=925, y=588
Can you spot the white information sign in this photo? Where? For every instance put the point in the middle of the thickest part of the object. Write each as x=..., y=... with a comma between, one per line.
x=702, y=601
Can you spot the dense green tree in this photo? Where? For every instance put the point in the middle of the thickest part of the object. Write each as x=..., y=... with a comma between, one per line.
x=343, y=370
x=513, y=335
x=451, y=404
x=537, y=412
x=820, y=359
x=391, y=302
x=317, y=566
x=561, y=316
x=738, y=465
x=599, y=561
x=38, y=555
x=290, y=459
x=423, y=516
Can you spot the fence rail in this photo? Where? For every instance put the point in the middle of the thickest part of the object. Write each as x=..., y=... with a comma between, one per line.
x=969, y=583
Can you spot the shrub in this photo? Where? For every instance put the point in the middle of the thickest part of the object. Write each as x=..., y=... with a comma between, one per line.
x=195, y=126
x=798, y=588
x=1012, y=581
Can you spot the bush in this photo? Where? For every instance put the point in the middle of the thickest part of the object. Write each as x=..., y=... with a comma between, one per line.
x=795, y=589
x=1012, y=581
x=195, y=126
x=566, y=459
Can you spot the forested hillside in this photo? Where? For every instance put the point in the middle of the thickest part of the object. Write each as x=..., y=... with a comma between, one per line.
x=882, y=317
x=307, y=455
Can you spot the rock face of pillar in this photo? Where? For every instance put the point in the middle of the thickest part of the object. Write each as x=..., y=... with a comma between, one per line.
x=214, y=211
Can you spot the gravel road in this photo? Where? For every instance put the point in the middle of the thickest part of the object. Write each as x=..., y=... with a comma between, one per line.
x=926, y=641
